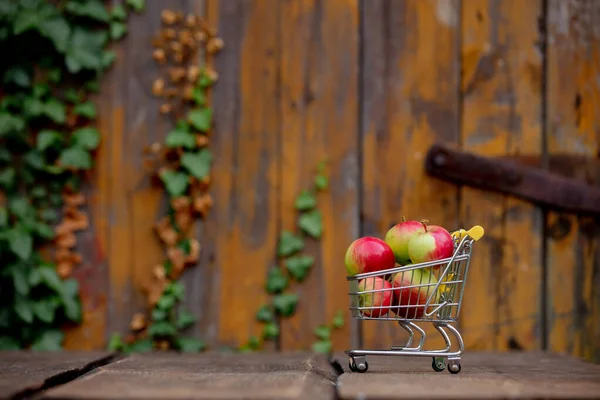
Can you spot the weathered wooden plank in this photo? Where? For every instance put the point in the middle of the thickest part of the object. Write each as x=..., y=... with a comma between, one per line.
x=487, y=375
x=573, y=93
x=410, y=88
x=23, y=373
x=223, y=376
x=319, y=103
x=246, y=163
x=501, y=115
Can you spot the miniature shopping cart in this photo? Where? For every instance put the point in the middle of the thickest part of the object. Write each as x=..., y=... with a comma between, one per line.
x=428, y=292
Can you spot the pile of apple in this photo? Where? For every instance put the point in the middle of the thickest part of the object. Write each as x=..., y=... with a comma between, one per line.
x=406, y=243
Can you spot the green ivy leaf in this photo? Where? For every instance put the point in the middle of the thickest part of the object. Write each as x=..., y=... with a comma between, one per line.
x=285, y=303
x=8, y=343
x=322, y=346
x=176, y=182
x=57, y=30
x=50, y=340
x=88, y=8
x=305, y=201
x=180, y=138
x=44, y=309
x=35, y=159
x=270, y=331
x=33, y=107
x=176, y=289
x=158, y=315
x=92, y=86
x=41, y=90
x=20, y=243
x=3, y=217
x=75, y=157
x=323, y=332
x=162, y=329
x=85, y=50
x=185, y=319
x=35, y=277
x=55, y=74
x=20, y=280
x=116, y=343
x=72, y=96
x=20, y=207
x=72, y=308
x=50, y=278
x=10, y=123
x=47, y=138
x=298, y=266
x=190, y=345
x=321, y=182
x=17, y=75
x=108, y=57
x=118, y=12
x=198, y=163
x=7, y=178
x=55, y=110
x=137, y=5
x=165, y=302
x=201, y=118
x=117, y=30
x=338, y=320
x=276, y=281
x=23, y=309
x=87, y=110
x=311, y=223
x=265, y=314
x=32, y=14
x=87, y=138
x=49, y=215
x=252, y=345
x=44, y=231
x=198, y=96
x=141, y=346
x=289, y=244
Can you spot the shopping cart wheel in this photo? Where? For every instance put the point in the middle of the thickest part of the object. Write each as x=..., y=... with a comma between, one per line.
x=454, y=366
x=361, y=367
x=438, y=364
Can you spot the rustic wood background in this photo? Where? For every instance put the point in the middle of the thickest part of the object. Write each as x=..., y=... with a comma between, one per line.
x=370, y=85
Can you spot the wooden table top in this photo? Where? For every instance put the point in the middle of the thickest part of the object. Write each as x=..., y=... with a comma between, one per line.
x=300, y=375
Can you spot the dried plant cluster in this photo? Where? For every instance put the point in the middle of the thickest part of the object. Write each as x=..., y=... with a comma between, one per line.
x=181, y=165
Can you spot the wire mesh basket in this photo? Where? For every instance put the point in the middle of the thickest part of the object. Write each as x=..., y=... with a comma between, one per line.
x=428, y=292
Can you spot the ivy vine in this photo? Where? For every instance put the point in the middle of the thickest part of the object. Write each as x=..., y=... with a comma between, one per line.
x=181, y=166
x=294, y=266
x=55, y=53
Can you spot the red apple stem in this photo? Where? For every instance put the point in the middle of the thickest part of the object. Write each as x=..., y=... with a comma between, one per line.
x=403, y=218
x=424, y=222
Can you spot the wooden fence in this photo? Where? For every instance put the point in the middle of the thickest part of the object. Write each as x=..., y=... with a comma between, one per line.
x=369, y=85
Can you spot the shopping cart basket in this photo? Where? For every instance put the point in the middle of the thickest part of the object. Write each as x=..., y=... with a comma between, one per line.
x=428, y=292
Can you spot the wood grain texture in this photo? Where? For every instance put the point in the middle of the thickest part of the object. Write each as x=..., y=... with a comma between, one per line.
x=501, y=88
x=246, y=165
x=573, y=93
x=319, y=104
x=410, y=101
x=207, y=376
x=24, y=373
x=489, y=375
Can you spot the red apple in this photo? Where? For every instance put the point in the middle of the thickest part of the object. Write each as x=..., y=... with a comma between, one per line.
x=434, y=243
x=368, y=254
x=381, y=299
x=413, y=298
x=399, y=235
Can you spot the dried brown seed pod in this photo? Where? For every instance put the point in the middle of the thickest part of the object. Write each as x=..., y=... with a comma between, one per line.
x=188, y=92
x=158, y=87
x=177, y=74
x=165, y=108
x=169, y=33
x=171, y=93
x=159, y=56
x=212, y=74
x=138, y=322
x=214, y=45
x=200, y=36
x=202, y=140
x=168, y=17
x=191, y=21
x=193, y=73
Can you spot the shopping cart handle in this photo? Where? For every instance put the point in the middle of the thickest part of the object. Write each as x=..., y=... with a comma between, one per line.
x=475, y=233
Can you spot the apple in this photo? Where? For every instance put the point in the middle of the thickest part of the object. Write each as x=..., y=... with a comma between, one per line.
x=413, y=297
x=433, y=243
x=368, y=254
x=399, y=235
x=381, y=299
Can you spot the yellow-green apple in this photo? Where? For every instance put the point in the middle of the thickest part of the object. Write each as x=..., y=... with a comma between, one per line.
x=381, y=299
x=399, y=235
x=411, y=289
x=368, y=254
x=433, y=243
